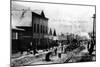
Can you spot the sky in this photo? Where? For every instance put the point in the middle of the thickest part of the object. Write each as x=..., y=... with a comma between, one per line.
x=63, y=18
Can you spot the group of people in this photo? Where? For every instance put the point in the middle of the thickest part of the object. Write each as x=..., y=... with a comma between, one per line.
x=63, y=48
x=57, y=51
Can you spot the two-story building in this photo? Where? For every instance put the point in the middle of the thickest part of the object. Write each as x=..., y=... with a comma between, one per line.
x=35, y=26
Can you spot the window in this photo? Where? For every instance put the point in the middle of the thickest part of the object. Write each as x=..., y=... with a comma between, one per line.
x=46, y=30
x=34, y=28
x=37, y=28
x=14, y=35
x=41, y=28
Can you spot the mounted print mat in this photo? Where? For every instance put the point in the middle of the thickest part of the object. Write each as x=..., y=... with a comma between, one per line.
x=52, y=33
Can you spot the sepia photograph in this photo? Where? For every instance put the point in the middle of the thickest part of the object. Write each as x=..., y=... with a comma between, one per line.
x=52, y=33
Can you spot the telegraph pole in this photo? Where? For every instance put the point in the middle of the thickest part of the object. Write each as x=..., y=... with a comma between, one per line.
x=94, y=26
x=93, y=35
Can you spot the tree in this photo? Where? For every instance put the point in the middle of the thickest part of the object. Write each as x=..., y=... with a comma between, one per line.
x=54, y=34
x=50, y=32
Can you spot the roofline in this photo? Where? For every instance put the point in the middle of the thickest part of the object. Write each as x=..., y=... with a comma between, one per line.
x=40, y=16
x=18, y=30
x=34, y=13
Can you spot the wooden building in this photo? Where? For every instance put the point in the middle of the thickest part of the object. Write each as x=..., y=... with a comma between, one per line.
x=35, y=27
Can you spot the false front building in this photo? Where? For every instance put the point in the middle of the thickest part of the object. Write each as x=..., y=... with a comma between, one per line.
x=35, y=26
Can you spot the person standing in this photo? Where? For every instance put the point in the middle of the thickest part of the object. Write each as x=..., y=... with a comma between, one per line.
x=59, y=50
x=55, y=51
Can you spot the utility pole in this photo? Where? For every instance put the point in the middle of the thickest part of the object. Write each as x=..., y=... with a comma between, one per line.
x=91, y=49
x=94, y=26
